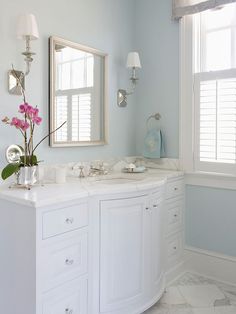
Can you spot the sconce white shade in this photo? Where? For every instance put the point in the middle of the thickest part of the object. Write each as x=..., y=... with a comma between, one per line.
x=27, y=26
x=133, y=60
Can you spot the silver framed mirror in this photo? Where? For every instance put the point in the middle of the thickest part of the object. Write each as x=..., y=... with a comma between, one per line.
x=78, y=94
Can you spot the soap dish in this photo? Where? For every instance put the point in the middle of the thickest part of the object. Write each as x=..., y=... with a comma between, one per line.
x=140, y=169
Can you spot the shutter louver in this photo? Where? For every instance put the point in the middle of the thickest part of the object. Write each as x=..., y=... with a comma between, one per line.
x=81, y=117
x=215, y=129
x=61, y=116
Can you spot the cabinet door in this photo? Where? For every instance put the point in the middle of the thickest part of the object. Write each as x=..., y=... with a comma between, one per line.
x=123, y=234
x=157, y=256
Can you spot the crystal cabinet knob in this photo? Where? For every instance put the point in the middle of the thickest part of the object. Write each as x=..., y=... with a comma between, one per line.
x=69, y=221
x=69, y=262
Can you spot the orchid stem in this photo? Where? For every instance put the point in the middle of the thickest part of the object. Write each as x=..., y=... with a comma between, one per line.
x=48, y=136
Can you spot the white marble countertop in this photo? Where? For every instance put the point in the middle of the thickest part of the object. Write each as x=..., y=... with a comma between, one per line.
x=75, y=188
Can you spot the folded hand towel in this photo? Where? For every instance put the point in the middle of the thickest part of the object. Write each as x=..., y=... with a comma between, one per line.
x=153, y=144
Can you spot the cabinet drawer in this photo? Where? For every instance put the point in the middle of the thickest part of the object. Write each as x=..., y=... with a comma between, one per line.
x=174, y=189
x=174, y=213
x=64, y=261
x=174, y=248
x=68, y=299
x=64, y=220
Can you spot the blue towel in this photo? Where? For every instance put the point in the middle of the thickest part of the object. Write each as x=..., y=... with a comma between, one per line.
x=153, y=144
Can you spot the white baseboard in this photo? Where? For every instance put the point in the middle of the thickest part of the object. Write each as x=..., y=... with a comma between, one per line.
x=213, y=265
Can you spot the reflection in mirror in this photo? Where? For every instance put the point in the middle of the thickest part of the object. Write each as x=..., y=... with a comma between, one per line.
x=77, y=94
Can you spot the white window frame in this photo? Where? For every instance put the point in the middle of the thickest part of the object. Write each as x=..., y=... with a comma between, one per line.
x=187, y=124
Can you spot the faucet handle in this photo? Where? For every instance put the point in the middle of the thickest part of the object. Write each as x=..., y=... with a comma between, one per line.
x=101, y=165
x=81, y=174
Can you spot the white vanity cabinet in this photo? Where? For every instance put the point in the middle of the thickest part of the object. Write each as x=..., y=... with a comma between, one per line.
x=107, y=252
x=44, y=268
x=131, y=252
x=174, y=200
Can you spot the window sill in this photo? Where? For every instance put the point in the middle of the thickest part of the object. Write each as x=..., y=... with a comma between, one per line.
x=213, y=180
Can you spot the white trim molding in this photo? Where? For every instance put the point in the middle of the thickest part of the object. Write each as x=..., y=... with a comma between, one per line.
x=186, y=94
x=210, y=264
x=212, y=180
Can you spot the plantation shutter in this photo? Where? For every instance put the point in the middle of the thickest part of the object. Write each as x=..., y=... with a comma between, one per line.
x=215, y=121
x=81, y=117
x=61, y=115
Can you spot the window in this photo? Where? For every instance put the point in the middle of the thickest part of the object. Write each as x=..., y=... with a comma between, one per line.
x=217, y=39
x=214, y=82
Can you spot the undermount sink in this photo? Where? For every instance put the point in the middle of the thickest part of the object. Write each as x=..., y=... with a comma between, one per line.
x=119, y=180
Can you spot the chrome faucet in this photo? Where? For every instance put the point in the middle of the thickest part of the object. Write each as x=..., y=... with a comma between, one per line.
x=97, y=170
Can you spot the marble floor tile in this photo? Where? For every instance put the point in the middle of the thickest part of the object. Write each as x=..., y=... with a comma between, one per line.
x=224, y=302
x=195, y=294
x=201, y=295
x=190, y=279
x=208, y=310
x=158, y=309
x=178, y=310
x=215, y=310
x=225, y=310
x=172, y=296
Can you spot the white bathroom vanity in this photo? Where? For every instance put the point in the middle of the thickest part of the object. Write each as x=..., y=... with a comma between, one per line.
x=91, y=246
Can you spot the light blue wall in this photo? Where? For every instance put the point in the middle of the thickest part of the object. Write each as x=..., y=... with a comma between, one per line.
x=210, y=213
x=211, y=219
x=157, y=40
x=104, y=24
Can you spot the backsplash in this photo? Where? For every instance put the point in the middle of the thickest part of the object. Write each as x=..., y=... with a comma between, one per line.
x=113, y=165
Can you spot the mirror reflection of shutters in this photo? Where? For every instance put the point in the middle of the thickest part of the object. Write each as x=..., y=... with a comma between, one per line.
x=81, y=117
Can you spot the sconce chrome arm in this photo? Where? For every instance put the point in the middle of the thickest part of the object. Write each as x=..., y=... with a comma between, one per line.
x=28, y=55
x=122, y=94
x=133, y=62
x=16, y=79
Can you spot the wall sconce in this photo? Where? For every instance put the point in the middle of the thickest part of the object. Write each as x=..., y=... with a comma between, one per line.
x=133, y=62
x=27, y=29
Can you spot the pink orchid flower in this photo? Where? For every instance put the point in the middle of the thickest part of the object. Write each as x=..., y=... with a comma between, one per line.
x=35, y=112
x=23, y=108
x=24, y=125
x=16, y=122
x=37, y=120
x=28, y=110
x=20, y=124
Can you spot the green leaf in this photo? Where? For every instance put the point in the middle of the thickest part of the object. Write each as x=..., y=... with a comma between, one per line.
x=30, y=160
x=9, y=170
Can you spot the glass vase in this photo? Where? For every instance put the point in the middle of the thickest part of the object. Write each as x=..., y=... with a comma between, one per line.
x=27, y=176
